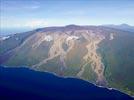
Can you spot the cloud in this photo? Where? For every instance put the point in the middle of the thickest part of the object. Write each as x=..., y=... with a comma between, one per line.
x=36, y=23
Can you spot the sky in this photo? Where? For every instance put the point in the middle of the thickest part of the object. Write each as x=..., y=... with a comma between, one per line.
x=42, y=13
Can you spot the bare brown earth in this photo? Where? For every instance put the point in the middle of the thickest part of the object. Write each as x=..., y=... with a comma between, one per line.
x=92, y=57
x=57, y=50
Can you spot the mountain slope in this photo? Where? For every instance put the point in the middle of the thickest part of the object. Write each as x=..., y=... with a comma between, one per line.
x=101, y=55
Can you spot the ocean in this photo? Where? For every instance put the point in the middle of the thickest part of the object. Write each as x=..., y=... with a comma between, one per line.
x=27, y=84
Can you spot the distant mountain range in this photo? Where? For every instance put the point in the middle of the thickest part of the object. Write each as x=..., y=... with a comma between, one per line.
x=124, y=27
x=99, y=54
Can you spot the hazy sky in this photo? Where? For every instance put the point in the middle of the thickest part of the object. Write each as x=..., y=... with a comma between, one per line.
x=41, y=13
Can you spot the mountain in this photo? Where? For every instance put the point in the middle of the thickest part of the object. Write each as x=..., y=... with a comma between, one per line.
x=124, y=27
x=98, y=54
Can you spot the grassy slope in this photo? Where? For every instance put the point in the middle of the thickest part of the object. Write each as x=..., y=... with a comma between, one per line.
x=28, y=56
x=74, y=58
x=89, y=74
x=52, y=66
x=118, y=57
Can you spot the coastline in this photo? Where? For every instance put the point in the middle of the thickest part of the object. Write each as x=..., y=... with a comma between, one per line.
x=67, y=77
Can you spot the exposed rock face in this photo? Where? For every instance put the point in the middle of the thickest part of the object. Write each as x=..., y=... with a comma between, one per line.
x=93, y=58
x=111, y=36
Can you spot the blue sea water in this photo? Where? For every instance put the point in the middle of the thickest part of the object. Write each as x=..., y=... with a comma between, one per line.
x=26, y=84
x=9, y=31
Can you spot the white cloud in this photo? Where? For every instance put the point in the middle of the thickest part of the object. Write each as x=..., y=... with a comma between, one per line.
x=36, y=23
x=27, y=23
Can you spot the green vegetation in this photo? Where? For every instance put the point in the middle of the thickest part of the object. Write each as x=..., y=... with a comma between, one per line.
x=29, y=56
x=89, y=74
x=74, y=58
x=118, y=57
x=52, y=66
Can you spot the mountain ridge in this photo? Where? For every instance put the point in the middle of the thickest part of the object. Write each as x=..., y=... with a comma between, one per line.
x=124, y=27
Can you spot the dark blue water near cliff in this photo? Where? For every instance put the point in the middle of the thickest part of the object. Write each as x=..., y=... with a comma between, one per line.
x=26, y=84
